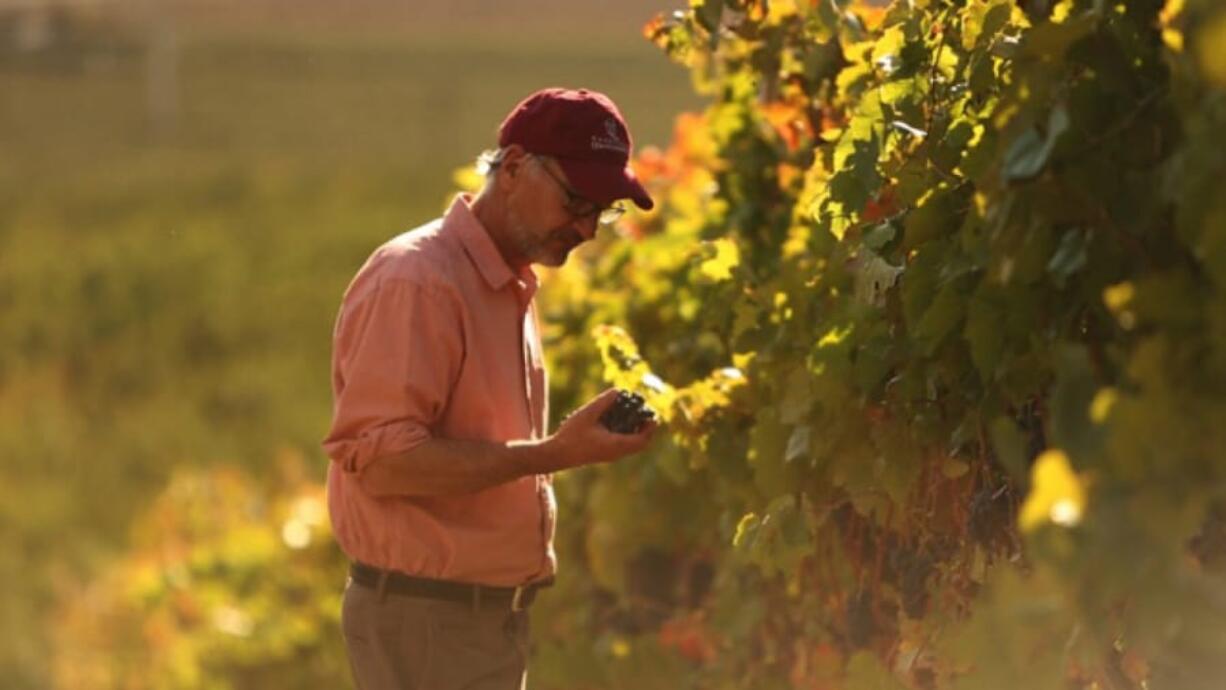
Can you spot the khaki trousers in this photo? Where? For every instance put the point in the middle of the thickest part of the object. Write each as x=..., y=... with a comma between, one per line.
x=397, y=642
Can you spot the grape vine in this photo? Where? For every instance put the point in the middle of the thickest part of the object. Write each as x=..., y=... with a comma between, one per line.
x=934, y=311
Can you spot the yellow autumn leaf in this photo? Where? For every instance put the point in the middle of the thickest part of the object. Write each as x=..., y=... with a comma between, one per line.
x=1118, y=296
x=1060, y=13
x=1100, y=407
x=780, y=10
x=954, y=468
x=1171, y=35
x=1173, y=38
x=727, y=257
x=1211, y=49
x=834, y=336
x=1119, y=299
x=1056, y=494
x=1170, y=11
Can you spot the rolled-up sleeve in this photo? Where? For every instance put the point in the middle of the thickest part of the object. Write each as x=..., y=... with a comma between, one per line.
x=397, y=350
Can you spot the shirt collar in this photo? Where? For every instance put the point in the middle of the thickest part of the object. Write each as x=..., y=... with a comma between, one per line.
x=483, y=252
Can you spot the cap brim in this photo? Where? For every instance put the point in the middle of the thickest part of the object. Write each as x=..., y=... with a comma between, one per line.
x=604, y=183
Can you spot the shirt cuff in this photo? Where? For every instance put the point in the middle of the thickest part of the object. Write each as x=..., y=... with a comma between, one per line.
x=354, y=454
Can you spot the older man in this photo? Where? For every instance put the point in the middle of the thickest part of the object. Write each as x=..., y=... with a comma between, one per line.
x=440, y=486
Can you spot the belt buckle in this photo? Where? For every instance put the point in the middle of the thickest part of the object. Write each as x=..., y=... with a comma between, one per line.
x=517, y=598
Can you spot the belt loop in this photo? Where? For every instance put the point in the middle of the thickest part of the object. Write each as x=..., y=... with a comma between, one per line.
x=476, y=598
x=381, y=588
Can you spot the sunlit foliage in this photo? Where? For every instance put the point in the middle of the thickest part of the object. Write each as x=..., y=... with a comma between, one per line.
x=935, y=308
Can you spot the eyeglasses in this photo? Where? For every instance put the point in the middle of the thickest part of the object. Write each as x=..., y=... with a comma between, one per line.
x=581, y=208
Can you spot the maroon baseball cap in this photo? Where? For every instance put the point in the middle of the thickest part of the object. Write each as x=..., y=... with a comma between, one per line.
x=586, y=134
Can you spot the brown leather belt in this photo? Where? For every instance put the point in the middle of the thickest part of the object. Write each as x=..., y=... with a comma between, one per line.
x=390, y=581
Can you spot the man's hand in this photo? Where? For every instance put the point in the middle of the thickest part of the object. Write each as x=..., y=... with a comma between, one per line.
x=442, y=466
x=582, y=440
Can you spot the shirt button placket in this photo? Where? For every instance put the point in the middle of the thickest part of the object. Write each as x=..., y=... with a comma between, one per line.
x=526, y=359
x=529, y=336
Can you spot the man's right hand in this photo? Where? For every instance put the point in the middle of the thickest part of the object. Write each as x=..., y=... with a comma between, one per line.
x=442, y=466
x=582, y=440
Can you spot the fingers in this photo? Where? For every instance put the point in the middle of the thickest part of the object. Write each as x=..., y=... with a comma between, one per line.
x=601, y=402
x=596, y=406
x=640, y=439
x=588, y=419
x=591, y=442
x=590, y=411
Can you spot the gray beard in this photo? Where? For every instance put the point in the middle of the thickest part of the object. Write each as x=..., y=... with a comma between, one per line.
x=531, y=248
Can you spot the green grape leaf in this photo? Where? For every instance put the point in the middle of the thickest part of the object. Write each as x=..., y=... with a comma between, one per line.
x=777, y=539
x=1167, y=298
x=866, y=672
x=1029, y=261
x=746, y=314
x=899, y=461
x=768, y=442
x=947, y=154
x=928, y=221
x=940, y=318
x=899, y=92
x=797, y=400
x=920, y=280
x=1029, y=152
x=980, y=154
x=848, y=190
x=1010, y=447
x=798, y=443
x=1070, y=256
x=879, y=236
x=708, y=13
x=985, y=330
x=872, y=362
x=1051, y=40
x=1071, y=426
x=873, y=277
x=983, y=20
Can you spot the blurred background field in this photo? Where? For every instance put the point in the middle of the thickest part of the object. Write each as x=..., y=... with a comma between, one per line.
x=185, y=190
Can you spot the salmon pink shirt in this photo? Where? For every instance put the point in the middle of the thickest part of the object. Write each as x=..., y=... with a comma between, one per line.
x=437, y=337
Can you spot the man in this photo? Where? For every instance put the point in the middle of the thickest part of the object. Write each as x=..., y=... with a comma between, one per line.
x=439, y=487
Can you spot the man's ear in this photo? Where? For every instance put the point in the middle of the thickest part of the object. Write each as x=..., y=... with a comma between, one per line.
x=514, y=157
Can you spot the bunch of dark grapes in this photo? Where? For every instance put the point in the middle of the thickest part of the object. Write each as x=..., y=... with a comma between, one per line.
x=1209, y=544
x=1030, y=420
x=991, y=515
x=628, y=414
x=911, y=569
x=861, y=625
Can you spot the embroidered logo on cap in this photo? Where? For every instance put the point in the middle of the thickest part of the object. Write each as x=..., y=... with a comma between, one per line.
x=611, y=140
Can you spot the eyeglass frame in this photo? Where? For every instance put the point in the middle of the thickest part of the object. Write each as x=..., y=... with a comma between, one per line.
x=607, y=215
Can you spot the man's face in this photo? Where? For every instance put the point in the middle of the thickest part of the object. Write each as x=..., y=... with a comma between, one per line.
x=547, y=221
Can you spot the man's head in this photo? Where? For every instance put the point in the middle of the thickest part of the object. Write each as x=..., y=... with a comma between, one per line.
x=561, y=167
